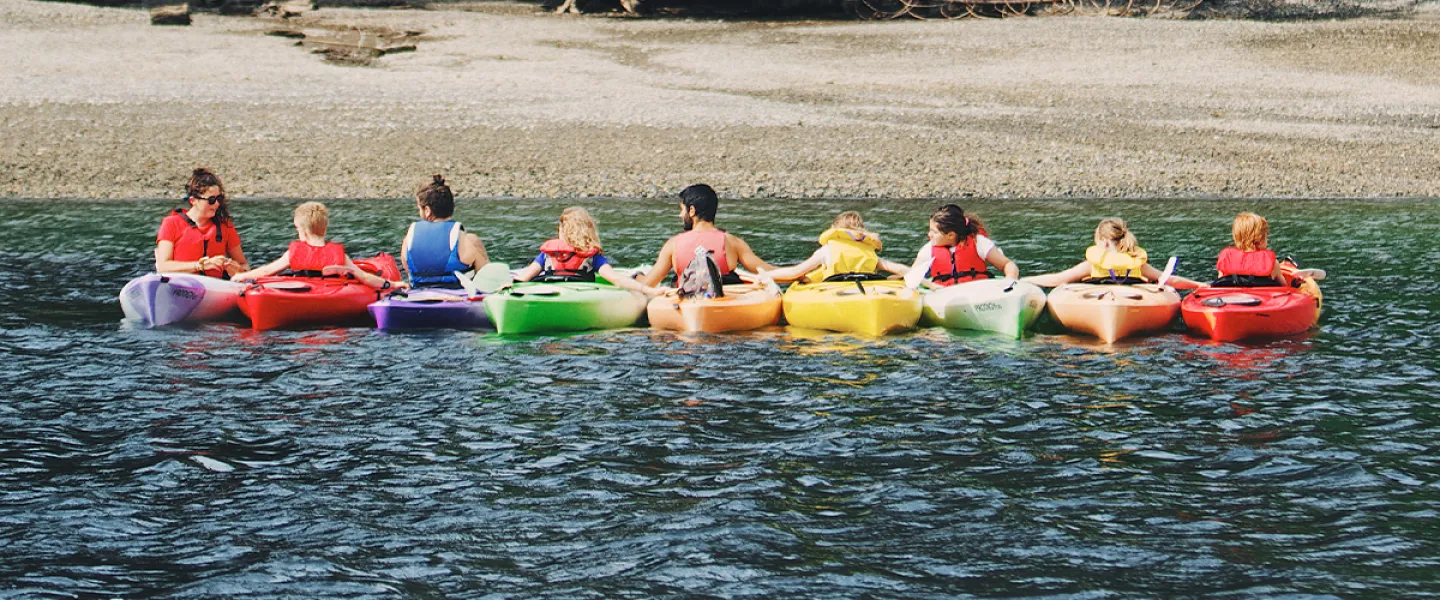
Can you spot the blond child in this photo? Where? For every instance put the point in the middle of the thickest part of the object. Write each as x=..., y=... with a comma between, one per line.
x=1116, y=257
x=846, y=250
x=312, y=254
x=575, y=255
x=1250, y=258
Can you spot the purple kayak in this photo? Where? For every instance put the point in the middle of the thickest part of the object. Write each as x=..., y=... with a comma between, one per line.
x=430, y=308
x=156, y=300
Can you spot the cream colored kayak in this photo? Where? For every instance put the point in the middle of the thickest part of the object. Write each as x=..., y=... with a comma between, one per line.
x=872, y=308
x=1111, y=312
x=1004, y=307
x=742, y=308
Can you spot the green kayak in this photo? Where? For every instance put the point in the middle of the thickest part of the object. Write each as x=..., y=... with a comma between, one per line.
x=551, y=307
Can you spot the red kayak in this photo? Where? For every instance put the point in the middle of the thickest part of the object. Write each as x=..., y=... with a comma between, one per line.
x=1229, y=314
x=288, y=301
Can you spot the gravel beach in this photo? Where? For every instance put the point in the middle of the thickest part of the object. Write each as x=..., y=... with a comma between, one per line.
x=506, y=102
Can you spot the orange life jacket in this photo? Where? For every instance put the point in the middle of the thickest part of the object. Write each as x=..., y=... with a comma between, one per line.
x=950, y=265
x=1255, y=263
x=563, y=260
x=304, y=257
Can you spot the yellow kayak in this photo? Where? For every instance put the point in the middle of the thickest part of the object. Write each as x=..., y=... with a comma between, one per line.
x=871, y=308
x=742, y=308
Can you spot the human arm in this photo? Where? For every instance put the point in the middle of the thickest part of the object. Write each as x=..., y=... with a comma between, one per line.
x=279, y=265
x=529, y=272
x=623, y=281
x=165, y=262
x=237, y=263
x=1070, y=275
x=365, y=277
x=472, y=251
x=996, y=258
x=916, y=276
x=1175, y=281
x=793, y=272
x=745, y=256
x=893, y=267
x=661, y=268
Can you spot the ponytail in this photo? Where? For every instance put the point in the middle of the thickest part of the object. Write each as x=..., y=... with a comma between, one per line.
x=952, y=219
x=437, y=197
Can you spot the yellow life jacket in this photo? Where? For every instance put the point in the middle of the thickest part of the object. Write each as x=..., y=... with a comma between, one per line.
x=851, y=251
x=1107, y=263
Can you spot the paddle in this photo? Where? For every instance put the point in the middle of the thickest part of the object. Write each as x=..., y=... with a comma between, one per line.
x=1316, y=274
x=487, y=279
x=1169, y=270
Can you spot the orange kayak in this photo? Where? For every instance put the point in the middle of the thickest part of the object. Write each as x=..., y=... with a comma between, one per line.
x=1111, y=312
x=287, y=301
x=742, y=308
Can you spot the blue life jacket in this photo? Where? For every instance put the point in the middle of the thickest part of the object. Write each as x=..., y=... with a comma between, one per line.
x=434, y=254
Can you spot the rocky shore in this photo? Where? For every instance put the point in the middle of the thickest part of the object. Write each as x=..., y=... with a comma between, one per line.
x=97, y=103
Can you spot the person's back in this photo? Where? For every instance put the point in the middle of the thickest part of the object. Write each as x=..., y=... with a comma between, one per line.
x=724, y=251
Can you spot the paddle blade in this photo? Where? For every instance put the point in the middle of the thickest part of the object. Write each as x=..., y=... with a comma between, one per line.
x=492, y=276
x=1169, y=270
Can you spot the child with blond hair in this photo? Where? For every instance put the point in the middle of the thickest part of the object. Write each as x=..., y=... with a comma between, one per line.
x=312, y=255
x=575, y=255
x=1116, y=257
x=846, y=250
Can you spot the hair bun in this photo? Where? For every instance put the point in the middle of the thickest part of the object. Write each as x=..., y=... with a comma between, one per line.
x=439, y=180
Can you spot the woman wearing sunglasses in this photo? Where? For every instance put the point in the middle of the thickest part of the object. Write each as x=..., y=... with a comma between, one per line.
x=201, y=238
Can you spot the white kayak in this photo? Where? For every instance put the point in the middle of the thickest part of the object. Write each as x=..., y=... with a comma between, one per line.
x=1005, y=307
x=160, y=299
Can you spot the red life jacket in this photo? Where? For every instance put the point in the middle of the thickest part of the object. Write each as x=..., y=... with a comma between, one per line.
x=685, y=244
x=563, y=260
x=950, y=265
x=196, y=243
x=1256, y=263
x=304, y=257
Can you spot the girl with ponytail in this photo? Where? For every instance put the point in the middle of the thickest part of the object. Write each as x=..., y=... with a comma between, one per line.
x=957, y=251
x=200, y=238
x=1115, y=258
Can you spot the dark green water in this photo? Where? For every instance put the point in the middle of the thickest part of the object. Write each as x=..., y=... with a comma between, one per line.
x=215, y=462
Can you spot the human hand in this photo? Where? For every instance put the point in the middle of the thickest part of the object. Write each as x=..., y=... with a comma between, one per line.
x=336, y=270
x=242, y=277
x=399, y=285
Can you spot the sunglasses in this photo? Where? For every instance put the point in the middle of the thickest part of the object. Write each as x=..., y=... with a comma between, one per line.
x=212, y=199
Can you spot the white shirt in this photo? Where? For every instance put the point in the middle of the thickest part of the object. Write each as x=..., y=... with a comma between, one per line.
x=920, y=271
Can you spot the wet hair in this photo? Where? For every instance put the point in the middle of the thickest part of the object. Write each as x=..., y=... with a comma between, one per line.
x=578, y=229
x=1115, y=231
x=953, y=219
x=848, y=220
x=314, y=217
x=202, y=178
x=702, y=198
x=437, y=197
x=1251, y=231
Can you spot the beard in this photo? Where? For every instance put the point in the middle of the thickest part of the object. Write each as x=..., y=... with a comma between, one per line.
x=688, y=222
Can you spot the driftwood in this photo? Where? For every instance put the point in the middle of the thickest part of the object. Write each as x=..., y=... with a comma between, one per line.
x=633, y=7
x=285, y=9
x=168, y=12
x=353, y=46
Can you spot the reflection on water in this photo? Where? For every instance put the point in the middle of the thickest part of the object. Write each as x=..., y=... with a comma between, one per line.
x=213, y=461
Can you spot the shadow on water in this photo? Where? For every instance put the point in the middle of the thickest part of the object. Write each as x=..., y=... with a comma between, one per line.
x=213, y=461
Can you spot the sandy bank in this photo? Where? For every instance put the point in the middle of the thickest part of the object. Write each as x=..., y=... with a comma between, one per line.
x=97, y=103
